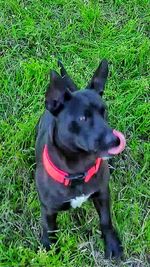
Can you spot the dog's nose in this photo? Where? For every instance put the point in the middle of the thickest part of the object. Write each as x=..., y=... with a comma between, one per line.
x=111, y=140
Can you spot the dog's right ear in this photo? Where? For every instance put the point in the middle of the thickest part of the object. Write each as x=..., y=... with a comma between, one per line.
x=56, y=93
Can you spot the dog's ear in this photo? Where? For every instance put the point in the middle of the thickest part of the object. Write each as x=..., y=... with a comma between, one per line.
x=99, y=78
x=56, y=93
x=69, y=82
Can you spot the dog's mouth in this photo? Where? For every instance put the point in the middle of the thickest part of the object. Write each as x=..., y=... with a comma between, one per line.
x=121, y=142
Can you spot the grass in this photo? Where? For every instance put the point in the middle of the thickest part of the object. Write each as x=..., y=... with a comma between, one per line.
x=33, y=35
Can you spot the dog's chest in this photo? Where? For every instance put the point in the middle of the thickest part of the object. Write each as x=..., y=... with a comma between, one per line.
x=77, y=201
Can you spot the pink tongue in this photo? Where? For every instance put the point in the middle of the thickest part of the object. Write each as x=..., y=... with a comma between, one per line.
x=118, y=149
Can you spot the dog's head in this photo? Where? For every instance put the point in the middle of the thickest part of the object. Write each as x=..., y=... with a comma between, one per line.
x=80, y=115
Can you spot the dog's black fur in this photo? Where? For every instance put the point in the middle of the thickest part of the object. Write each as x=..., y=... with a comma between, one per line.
x=75, y=130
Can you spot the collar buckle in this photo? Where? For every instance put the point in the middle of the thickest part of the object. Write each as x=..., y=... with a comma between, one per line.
x=77, y=179
x=77, y=176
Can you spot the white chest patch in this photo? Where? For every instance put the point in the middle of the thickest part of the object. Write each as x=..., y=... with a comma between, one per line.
x=77, y=202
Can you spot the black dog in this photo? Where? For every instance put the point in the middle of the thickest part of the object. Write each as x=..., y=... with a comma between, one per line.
x=73, y=141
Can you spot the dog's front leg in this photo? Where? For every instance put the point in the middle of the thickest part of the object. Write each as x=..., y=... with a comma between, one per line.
x=113, y=247
x=49, y=228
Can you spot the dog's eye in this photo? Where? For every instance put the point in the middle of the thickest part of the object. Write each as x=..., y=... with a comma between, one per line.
x=88, y=113
x=82, y=118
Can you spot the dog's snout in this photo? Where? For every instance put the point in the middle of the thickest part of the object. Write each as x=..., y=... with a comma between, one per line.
x=111, y=140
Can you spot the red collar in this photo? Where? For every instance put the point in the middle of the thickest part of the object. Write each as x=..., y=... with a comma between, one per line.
x=62, y=176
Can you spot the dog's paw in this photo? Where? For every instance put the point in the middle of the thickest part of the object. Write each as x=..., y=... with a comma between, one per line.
x=45, y=243
x=113, y=246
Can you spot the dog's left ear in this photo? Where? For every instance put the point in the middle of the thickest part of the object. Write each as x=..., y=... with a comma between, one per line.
x=99, y=78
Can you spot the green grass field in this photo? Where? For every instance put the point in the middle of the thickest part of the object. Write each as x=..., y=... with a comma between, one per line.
x=34, y=34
